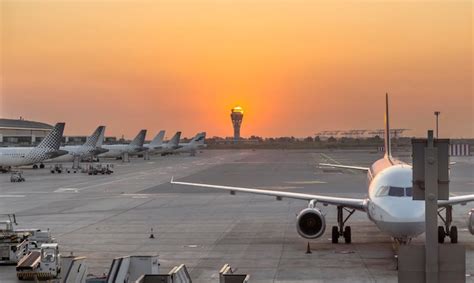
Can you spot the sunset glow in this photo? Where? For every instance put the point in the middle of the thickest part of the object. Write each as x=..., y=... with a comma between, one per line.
x=296, y=67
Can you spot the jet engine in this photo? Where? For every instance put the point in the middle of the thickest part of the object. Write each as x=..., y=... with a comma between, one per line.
x=470, y=221
x=310, y=223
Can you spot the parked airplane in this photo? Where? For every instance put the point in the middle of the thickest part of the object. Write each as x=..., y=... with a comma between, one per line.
x=389, y=203
x=89, y=149
x=171, y=145
x=46, y=149
x=156, y=144
x=194, y=145
x=117, y=150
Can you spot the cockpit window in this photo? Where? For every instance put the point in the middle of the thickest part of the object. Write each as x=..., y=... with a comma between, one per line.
x=394, y=191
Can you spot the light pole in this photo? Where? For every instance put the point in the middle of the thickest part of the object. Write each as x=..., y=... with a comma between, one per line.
x=437, y=117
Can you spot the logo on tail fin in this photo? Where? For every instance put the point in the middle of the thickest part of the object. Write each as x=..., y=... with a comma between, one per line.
x=93, y=140
x=199, y=138
x=53, y=139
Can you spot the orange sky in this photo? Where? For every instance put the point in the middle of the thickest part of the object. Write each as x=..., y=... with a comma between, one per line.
x=296, y=67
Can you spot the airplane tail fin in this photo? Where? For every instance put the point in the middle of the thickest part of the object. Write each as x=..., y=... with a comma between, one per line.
x=93, y=140
x=175, y=139
x=139, y=139
x=100, y=140
x=52, y=141
x=158, y=139
x=199, y=138
x=388, y=144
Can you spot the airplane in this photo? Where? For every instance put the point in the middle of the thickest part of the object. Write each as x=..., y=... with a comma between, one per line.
x=117, y=150
x=156, y=144
x=194, y=145
x=48, y=148
x=171, y=145
x=389, y=203
x=89, y=149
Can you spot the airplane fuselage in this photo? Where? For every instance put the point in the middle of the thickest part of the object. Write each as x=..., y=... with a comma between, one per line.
x=19, y=156
x=116, y=150
x=390, y=204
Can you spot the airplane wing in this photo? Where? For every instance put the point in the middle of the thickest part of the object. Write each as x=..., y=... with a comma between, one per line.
x=456, y=200
x=359, y=204
x=345, y=166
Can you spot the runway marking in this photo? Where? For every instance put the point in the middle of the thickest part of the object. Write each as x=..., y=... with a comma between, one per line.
x=67, y=190
x=306, y=182
x=12, y=196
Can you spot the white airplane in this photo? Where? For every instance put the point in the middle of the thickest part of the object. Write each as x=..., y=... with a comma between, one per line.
x=171, y=145
x=89, y=149
x=156, y=144
x=389, y=203
x=46, y=149
x=194, y=145
x=117, y=150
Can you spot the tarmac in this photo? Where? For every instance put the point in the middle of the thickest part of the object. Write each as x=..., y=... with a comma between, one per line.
x=107, y=216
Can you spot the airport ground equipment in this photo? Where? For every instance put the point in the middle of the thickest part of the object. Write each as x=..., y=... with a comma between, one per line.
x=13, y=244
x=178, y=274
x=73, y=269
x=99, y=168
x=470, y=221
x=42, y=264
x=227, y=275
x=130, y=268
x=17, y=176
x=56, y=168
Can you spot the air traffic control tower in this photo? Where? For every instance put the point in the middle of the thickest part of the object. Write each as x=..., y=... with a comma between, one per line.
x=236, y=115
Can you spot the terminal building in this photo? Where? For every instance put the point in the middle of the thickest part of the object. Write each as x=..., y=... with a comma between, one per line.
x=22, y=132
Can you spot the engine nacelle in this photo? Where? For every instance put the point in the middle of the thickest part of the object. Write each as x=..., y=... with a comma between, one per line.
x=470, y=221
x=310, y=223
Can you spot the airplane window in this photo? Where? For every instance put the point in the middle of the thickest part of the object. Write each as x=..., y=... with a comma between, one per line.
x=396, y=192
x=408, y=192
x=383, y=191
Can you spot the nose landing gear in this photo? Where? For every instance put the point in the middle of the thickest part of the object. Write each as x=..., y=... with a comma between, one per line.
x=447, y=230
x=340, y=230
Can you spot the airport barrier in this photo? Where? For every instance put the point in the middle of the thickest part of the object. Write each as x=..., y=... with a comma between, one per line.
x=179, y=274
x=130, y=268
x=73, y=268
x=462, y=149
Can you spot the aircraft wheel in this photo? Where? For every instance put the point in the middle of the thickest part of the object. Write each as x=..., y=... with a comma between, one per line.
x=41, y=166
x=453, y=234
x=347, y=234
x=441, y=234
x=335, y=234
x=35, y=166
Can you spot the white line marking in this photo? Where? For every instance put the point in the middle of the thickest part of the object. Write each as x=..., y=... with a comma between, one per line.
x=12, y=196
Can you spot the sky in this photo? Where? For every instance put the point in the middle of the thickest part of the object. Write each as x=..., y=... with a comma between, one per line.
x=296, y=67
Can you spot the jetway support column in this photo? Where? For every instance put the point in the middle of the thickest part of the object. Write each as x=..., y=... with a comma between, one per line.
x=75, y=162
x=125, y=157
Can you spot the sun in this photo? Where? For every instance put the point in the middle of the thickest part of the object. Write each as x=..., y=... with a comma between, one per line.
x=238, y=109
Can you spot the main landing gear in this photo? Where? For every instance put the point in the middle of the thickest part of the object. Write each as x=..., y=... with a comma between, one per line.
x=340, y=230
x=447, y=230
